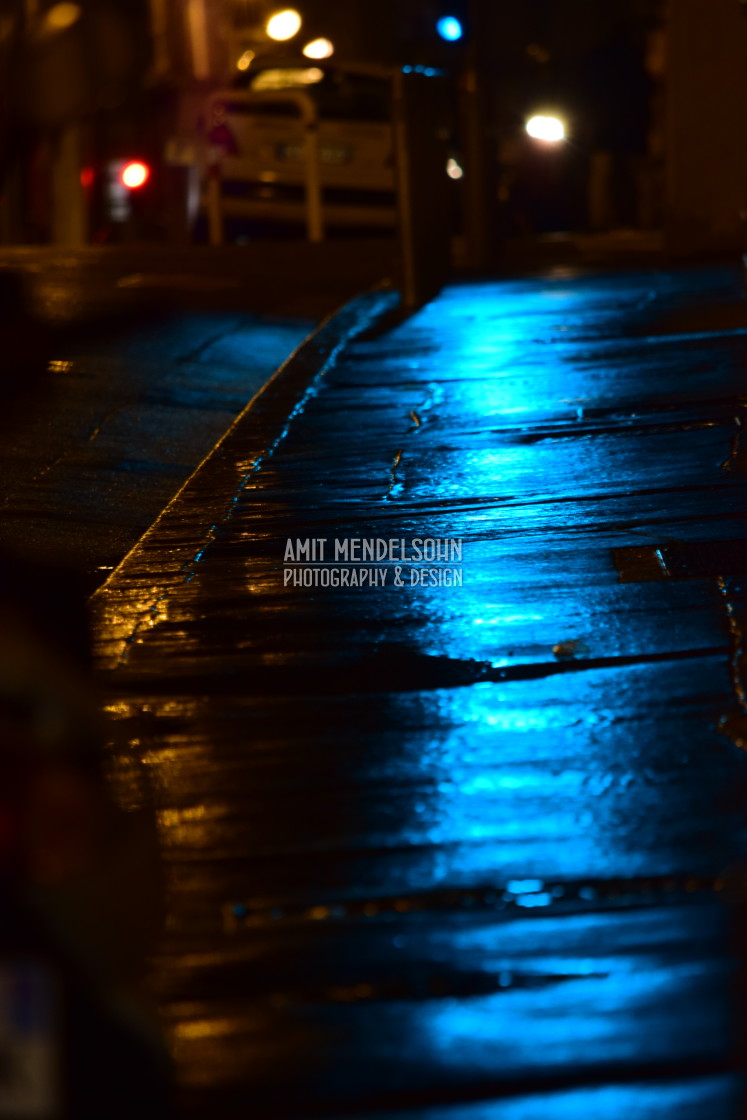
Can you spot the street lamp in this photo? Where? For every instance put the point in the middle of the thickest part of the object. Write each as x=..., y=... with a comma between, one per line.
x=450, y=29
x=549, y=129
x=61, y=16
x=284, y=25
x=319, y=48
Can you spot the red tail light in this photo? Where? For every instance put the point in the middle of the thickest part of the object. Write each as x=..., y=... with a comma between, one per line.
x=134, y=174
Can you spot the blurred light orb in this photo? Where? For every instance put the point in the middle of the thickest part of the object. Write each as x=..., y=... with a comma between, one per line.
x=450, y=29
x=284, y=25
x=61, y=16
x=134, y=174
x=549, y=129
x=319, y=48
x=454, y=169
x=245, y=61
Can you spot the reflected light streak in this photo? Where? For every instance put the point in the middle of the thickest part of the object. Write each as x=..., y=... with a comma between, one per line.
x=530, y=1029
x=524, y=886
x=712, y=1096
x=205, y=1028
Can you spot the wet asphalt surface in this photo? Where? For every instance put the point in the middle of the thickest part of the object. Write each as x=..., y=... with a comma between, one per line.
x=470, y=852
x=151, y=354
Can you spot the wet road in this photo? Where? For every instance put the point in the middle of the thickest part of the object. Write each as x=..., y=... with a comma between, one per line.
x=152, y=354
x=459, y=851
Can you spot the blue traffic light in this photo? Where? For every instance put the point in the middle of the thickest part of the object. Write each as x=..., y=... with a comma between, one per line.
x=449, y=28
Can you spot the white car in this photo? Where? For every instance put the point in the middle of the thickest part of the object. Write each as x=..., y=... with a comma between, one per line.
x=256, y=136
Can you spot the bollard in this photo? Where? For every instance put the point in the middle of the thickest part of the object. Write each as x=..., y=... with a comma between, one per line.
x=214, y=204
x=314, y=222
x=422, y=185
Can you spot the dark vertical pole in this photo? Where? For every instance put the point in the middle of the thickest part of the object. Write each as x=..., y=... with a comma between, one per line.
x=419, y=114
x=478, y=111
x=12, y=162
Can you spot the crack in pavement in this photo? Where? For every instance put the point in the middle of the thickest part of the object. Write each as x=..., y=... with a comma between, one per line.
x=389, y=669
x=509, y=900
x=395, y=484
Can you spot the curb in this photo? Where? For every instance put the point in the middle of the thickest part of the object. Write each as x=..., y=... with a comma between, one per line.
x=194, y=516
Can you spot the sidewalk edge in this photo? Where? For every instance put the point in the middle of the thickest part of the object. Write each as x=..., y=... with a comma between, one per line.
x=265, y=420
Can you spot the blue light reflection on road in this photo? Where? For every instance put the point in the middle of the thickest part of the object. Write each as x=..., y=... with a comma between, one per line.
x=690, y=1100
x=565, y=777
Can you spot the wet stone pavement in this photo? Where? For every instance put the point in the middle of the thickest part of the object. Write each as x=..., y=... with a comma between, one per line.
x=467, y=852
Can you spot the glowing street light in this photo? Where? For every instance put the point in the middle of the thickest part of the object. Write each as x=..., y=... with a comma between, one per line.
x=61, y=16
x=284, y=25
x=319, y=48
x=450, y=29
x=549, y=129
